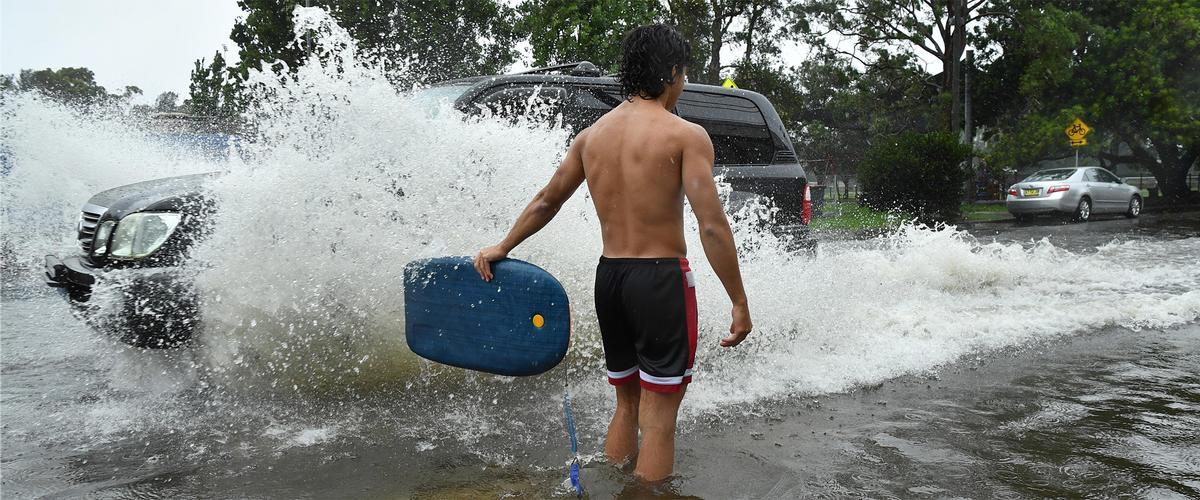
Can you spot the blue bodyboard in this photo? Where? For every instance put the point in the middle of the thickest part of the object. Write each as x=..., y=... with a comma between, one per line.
x=517, y=324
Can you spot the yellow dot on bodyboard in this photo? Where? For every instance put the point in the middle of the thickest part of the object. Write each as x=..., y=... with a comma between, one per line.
x=539, y=321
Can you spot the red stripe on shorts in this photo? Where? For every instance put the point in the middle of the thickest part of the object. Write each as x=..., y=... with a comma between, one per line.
x=689, y=299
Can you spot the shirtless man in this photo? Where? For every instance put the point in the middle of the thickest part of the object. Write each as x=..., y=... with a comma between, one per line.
x=639, y=161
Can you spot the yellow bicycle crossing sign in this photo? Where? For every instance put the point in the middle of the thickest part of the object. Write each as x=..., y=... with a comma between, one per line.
x=1077, y=132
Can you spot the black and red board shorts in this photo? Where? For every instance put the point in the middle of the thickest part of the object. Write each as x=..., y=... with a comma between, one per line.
x=647, y=314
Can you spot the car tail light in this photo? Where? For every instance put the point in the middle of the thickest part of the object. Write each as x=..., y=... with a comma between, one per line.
x=806, y=207
x=1012, y=192
x=1056, y=189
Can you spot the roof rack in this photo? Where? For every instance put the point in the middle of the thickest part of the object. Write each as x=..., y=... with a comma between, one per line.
x=581, y=68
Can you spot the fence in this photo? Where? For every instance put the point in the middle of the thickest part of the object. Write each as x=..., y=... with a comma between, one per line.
x=1150, y=184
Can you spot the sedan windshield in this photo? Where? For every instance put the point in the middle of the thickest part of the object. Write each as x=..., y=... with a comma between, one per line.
x=1058, y=174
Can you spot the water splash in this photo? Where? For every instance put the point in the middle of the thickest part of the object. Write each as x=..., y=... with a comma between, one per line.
x=55, y=157
x=346, y=179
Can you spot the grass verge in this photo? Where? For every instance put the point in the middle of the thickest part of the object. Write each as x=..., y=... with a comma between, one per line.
x=854, y=216
x=972, y=212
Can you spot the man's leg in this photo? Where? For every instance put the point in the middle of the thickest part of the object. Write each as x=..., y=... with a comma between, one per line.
x=656, y=418
x=622, y=444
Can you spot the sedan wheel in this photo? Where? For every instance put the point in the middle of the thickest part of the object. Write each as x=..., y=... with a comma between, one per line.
x=1084, y=211
x=1135, y=207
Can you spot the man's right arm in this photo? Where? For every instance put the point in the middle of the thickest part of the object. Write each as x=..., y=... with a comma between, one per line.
x=715, y=235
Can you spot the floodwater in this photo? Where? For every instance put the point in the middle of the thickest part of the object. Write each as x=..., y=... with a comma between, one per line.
x=1040, y=359
x=1107, y=412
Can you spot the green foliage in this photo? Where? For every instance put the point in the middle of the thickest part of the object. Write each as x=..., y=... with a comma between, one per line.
x=563, y=31
x=779, y=85
x=166, y=102
x=693, y=19
x=1129, y=69
x=920, y=174
x=852, y=216
x=433, y=39
x=842, y=110
x=265, y=37
x=72, y=85
x=215, y=92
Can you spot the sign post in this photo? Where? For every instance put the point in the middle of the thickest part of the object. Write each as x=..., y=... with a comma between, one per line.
x=1077, y=133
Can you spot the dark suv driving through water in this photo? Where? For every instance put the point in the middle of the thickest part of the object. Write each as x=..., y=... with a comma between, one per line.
x=149, y=226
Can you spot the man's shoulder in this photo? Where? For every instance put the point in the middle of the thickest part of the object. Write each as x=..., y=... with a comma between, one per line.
x=688, y=131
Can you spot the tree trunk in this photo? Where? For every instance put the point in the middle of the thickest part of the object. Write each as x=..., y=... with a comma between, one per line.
x=1171, y=169
x=1172, y=183
x=714, y=57
x=751, y=25
x=956, y=41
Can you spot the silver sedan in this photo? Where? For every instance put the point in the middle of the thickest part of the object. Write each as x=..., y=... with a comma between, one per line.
x=1079, y=192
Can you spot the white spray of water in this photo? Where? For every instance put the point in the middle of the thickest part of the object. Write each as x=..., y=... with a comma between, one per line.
x=303, y=273
x=57, y=157
x=348, y=180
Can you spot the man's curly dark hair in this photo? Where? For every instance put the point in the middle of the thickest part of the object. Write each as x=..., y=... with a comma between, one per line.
x=647, y=55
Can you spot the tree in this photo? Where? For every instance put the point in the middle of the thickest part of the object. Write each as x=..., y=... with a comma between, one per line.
x=72, y=85
x=566, y=30
x=165, y=102
x=429, y=40
x=563, y=31
x=214, y=91
x=1061, y=59
x=938, y=28
x=760, y=32
x=919, y=174
x=841, y=109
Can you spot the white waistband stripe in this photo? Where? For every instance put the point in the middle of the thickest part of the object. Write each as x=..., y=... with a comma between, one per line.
x=622, y=374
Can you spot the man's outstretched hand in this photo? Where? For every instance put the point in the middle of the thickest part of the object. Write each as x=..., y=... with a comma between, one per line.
x=740, y=328
x=485, y=258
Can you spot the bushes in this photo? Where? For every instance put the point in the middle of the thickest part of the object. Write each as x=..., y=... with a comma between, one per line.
x=916, y=173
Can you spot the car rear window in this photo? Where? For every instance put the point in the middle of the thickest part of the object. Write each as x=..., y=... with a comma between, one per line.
x=737, y=127
x=1060, y=174
x=590, y=104
x=735, y=124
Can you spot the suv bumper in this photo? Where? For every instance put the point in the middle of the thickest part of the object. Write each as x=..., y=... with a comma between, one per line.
x=69, y=273
x=156, y=308
x=783, y=184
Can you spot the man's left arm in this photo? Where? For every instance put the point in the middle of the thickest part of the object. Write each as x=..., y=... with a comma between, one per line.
x=540, y=210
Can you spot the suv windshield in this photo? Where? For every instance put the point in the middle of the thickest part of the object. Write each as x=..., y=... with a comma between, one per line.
x=433, y=97
x=1059, y=174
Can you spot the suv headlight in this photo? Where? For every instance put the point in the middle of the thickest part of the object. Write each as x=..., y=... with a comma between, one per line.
x=140, y=234
x=100, y=240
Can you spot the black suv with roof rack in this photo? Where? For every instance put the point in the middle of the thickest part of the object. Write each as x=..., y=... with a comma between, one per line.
x=150, y=225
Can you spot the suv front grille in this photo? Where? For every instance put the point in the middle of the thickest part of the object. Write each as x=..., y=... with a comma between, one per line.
x=88, y=220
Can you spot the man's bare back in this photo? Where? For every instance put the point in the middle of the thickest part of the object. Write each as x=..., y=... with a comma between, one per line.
x=633, y=163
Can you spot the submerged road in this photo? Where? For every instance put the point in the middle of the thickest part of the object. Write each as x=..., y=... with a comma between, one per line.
x=1106, y=412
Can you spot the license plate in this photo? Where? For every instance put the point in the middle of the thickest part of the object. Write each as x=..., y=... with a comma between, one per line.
x=1031, y=192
